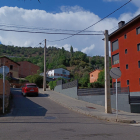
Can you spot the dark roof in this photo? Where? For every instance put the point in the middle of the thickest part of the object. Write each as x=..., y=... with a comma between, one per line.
x=125, y=25
x=10, y=59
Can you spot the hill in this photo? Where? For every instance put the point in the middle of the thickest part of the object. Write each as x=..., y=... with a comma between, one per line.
x=78, y=63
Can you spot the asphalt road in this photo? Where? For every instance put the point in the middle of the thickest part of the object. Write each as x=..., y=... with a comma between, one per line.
x=39, y=118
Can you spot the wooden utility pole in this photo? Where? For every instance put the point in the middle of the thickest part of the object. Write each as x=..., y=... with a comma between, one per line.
x=107, y=76
x=44, y=79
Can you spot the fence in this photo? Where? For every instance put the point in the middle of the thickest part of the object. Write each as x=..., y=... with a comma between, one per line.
x=69, y=89
x=101, y=91
x=70, y=84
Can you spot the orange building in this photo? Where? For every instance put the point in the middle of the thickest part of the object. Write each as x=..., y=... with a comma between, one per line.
x=94, y=75
x=125, y=53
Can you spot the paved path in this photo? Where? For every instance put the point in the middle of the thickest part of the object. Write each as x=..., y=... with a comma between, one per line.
x=90, y=109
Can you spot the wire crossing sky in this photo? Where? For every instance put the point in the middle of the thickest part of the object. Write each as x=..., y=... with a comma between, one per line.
x=26, y=23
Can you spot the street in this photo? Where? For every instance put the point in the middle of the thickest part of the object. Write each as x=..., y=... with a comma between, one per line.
x=39, y=118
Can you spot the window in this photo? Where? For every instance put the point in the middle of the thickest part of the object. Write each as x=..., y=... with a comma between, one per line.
x=11, y=67
x=138, y=47
x=115, y=59
x=115, y=45
x=127, y=66
x=139, y=64
x=125, y=51
x=125, y=36
x=127, y=82
x=91, y=75
x=138, y=30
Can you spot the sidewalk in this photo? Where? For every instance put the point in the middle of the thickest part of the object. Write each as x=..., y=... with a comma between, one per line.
x=90, y=109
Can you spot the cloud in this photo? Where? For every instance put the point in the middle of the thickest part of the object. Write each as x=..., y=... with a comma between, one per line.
x=88, y=50
x=67, y=47
x=71, y=9
x=71, y=18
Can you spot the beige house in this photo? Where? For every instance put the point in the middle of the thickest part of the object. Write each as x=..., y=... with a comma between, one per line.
x=94, y=75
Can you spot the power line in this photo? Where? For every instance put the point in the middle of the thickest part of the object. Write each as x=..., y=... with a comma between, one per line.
x=21, y=31
x=117, y=26
x=39, y=43
x=36, y=28
x=93, y=24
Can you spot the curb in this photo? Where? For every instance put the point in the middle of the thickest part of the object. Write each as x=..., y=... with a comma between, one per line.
x=94, y=116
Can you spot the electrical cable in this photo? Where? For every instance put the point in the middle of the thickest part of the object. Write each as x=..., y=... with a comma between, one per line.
x=50, y=29
x=92, y=24
x=43, y=32
x=39, y=43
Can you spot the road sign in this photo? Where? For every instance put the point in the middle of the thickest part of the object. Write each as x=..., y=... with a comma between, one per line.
x=115, y=73
x=4, y=69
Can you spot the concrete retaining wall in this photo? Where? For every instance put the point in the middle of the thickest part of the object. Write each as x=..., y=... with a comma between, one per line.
x=123, y=101
x=71, y=92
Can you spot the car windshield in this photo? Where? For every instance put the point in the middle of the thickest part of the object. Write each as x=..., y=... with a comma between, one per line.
x=31, y=86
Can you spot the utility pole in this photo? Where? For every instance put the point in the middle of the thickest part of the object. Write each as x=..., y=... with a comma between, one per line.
x=44, y=79
x=107, y=76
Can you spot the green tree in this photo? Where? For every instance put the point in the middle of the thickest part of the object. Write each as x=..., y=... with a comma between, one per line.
x=71, y=51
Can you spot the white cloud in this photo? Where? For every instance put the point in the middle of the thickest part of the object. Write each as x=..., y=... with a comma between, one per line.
x=88, y=50
x=72, y=18
x=72, y=9
x=67, y=47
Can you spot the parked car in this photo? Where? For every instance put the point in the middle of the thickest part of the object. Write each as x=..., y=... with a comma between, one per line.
x=30, y=89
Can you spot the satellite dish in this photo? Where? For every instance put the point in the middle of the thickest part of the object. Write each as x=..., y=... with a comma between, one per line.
x=6, y=69
x=115, y=73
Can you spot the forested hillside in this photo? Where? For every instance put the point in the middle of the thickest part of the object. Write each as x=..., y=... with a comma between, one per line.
x=78, y=63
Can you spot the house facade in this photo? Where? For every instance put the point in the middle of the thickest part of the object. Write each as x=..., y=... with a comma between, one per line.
x=125, y=54
x=94, y=75
x=58, y=73
x=13, y=66
x=26, y=68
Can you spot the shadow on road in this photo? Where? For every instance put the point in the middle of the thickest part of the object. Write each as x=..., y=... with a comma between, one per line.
x=22, y=106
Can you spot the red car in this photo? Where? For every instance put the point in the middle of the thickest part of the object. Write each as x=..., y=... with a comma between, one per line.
x=30, y=89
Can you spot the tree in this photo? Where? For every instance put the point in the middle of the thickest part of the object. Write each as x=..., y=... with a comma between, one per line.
x=71, y=51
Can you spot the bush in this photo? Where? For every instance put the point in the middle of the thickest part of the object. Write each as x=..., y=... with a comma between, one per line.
x=36, y=78
x=52, y=84
x=95, y=85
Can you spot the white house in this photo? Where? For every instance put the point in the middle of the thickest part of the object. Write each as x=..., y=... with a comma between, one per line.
x=57, y=73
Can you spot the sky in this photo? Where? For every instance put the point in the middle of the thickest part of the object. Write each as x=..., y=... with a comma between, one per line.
x=51, y=15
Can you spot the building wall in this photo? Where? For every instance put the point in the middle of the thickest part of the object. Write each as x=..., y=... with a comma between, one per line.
x=94, y=76
x=26, y=68
x=131, y=58
x=7, y=87
x=7, y=62
x=56, y=73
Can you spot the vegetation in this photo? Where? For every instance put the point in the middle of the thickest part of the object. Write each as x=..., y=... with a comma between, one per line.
x=36, y=78
x=78, y=63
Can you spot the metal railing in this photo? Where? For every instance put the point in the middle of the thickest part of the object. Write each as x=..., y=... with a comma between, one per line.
x=101, y=91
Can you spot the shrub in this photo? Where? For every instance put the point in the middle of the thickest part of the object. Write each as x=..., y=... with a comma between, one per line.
x=36, y=78
x=95, y=85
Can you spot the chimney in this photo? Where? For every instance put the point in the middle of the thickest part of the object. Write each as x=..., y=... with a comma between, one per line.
x=121, y=24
